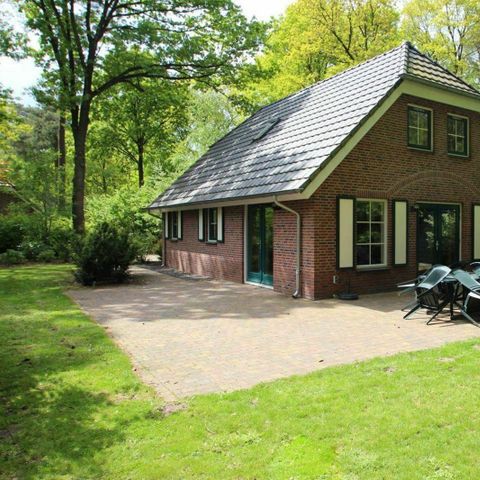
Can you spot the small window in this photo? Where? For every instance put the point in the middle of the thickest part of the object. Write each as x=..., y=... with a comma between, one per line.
x=212, y=224
x=173, y=225
x=457, y=135
x=371, y=233
x=419, y=128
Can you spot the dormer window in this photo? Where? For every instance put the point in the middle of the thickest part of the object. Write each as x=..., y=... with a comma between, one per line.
x=419, y=128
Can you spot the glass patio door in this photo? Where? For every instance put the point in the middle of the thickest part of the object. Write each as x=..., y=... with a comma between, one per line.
x=438, y=235
x=260, y=244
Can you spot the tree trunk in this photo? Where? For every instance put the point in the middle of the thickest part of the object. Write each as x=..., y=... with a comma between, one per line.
x=141, y=179
x=61, y=162
x=80, y=130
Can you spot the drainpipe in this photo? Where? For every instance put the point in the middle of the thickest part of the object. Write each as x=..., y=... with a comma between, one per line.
x=296, y=294
x=164, y=243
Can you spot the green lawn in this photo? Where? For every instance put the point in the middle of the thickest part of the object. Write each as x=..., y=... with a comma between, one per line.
x=72, y=408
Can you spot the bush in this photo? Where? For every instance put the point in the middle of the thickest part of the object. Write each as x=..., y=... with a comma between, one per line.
x=32, y=249
x=12, y=232
x=125, y=209
x=106, y=255
x=48, y=255
x=12, y=257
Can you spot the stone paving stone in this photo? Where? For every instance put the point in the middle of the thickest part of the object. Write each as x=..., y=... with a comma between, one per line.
x=187, y=338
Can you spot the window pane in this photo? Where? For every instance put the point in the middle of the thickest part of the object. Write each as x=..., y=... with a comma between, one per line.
x=174, y=224
x=451, y=144
x=461, y=126
x=363, y=233
x=460, y=145
x=212, y=224
x=377, y=254
x=363, y=211
x=450, y=125
x=412, y=118
x=423, y=120
x=412, y=136
x=423, y=138
x=363, y=255
x=377, y=233
x=377, y=211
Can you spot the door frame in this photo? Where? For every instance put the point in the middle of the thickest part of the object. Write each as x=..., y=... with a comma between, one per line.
x=460, y=217
x=245, y=247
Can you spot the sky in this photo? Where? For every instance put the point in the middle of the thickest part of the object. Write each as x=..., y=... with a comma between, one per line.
x=19, y=76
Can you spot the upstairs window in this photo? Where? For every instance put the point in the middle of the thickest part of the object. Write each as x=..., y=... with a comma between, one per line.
x=419, y=128
x=457, y=135
x=371, y=233
x=212, y=224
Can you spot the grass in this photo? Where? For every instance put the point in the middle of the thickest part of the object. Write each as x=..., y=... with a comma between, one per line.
x=72, y=408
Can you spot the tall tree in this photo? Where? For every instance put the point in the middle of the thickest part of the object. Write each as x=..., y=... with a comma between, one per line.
x=93, y=45
x=447, y=30
x=144, y=121
x=318, y=38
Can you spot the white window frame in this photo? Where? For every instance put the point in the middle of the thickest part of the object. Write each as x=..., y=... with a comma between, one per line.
x=385, y=234
x=467, y=137
x=420, y=107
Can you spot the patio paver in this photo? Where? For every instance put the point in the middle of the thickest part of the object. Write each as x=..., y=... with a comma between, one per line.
x=189, y=337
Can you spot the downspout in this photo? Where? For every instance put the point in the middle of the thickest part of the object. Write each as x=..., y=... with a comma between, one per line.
x=296, y=294
x=164, y=243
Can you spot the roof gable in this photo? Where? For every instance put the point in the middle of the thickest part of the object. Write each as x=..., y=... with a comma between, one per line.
x=300, y=132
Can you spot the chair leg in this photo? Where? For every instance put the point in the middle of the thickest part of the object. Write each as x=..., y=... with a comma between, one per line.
x=434, y=317
x=414, y=309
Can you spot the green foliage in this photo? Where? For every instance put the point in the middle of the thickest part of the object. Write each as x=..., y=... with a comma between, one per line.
x=211, y=115
x=12, y=232
x=448, y=31
x=126, y=209
x=12, y=257
x=47, y=255
x=105, y=256
x=318, y=38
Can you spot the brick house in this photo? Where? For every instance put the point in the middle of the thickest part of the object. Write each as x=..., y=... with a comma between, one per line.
x=365, y=178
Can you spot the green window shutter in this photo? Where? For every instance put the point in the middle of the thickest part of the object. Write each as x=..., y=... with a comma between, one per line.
x=345, y=232
x=201, y=226
x=220, y=222
x=476, y=231
x=180, y=225
x=400, y=232
x=165, y=225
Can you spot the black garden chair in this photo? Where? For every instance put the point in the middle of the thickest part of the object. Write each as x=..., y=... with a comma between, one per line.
x=468, y=293
x=431, y=295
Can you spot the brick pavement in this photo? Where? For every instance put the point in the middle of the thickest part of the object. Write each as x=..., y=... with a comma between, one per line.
x=189, y=337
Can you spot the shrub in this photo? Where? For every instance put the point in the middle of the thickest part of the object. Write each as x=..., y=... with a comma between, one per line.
x=106, y=255
x=32, y=248
x=12, y=232
x=47, y=255
x=125, y=209
x=12, y=257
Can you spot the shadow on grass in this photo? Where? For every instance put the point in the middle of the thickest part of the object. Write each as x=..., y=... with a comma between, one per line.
x=55, y=414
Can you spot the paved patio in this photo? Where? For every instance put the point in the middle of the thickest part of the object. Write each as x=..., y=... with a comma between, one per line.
x=195, y=336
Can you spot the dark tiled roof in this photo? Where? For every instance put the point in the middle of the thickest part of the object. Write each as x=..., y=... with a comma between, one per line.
x=305, y=130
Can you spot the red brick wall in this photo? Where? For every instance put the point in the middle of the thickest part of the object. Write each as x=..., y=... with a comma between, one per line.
x=217, y=260
x=381, y=166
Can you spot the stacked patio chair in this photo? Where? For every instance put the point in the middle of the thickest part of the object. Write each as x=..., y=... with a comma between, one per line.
x=475, y=266
x=430, y=292
x=467, y=296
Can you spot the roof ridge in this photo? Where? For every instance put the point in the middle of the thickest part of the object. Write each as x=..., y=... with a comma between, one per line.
x=424, y=55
